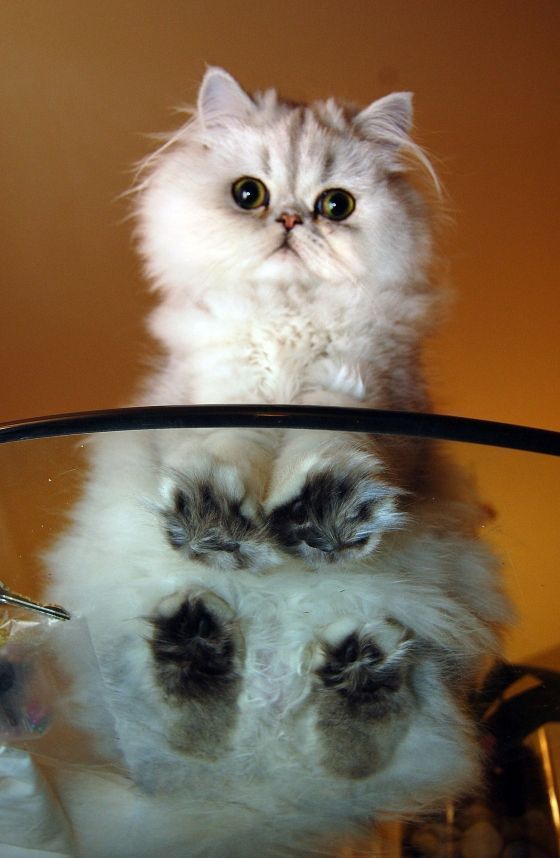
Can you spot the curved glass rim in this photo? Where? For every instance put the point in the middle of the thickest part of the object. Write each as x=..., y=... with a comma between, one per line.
x=373, y=421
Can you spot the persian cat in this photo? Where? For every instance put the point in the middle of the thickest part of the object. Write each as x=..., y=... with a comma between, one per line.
x=287, y=625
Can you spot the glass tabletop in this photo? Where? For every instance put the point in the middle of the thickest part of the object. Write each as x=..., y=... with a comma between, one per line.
x=516, y=473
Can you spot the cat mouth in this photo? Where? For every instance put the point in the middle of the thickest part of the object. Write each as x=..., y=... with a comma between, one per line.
x=286, y=248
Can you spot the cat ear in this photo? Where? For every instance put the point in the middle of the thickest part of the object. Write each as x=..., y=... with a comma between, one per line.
x=388, y=120
x=221, y=99
x=387, y=123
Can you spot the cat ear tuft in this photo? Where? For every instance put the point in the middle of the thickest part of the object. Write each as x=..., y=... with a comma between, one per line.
x=221, y=99
x=387, y=123
x=388, y=120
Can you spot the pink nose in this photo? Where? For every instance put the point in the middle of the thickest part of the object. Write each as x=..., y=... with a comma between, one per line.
x=289, y=220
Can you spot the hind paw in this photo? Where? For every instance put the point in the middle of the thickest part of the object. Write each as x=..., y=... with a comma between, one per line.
x=196, y=648
x=364, y=670
x=362, y=696
x=198, y=653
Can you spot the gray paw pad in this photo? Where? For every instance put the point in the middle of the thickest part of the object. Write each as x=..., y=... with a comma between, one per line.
x=336, y=516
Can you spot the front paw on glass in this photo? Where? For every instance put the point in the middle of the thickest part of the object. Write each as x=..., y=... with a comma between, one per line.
x=337, y=516
x=209, y=519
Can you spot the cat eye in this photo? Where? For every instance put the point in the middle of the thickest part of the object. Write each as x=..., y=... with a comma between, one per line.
x=335, y=204
x=250, y=193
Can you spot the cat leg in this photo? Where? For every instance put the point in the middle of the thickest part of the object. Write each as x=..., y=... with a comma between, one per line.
x=331, y=498
x=362, y=695
x=197, y=653
x=212, y=487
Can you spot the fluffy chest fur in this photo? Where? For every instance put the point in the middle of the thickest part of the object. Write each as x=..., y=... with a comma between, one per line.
x=270, y=341
x=281, y=341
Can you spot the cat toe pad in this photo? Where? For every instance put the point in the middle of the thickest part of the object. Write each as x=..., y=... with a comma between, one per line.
x=338, y=515
x=210, y=523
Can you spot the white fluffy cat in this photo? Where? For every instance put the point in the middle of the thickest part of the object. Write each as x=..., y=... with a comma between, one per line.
x=287, y=625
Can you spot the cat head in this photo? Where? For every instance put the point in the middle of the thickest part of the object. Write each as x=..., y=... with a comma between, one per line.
x=257, y=188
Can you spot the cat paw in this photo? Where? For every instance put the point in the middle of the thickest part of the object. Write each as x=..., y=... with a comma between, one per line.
x=210, y=518
x=337, y=515
x=363, y=669
x=362, y=696
x=197, y=653
x=197, y=648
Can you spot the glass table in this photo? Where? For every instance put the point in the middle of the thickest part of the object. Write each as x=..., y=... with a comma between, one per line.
x=517, y=473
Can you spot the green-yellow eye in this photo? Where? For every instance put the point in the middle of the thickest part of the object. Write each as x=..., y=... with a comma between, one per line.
x=335, y=204
x=250, y=193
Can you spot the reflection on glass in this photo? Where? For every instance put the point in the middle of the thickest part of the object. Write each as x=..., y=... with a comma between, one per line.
x=227, y=667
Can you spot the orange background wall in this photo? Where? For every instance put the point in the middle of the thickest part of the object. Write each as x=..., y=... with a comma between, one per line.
x=83, y=80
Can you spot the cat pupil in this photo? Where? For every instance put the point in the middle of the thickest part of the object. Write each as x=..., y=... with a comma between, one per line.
x=338, y=204
x=335, y=204
x=250, y=193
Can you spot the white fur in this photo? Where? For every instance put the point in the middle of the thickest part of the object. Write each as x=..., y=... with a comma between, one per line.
x=340, y=323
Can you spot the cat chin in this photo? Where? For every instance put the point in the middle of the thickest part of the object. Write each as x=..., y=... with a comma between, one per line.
x=283, y=263
x=285, y=266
